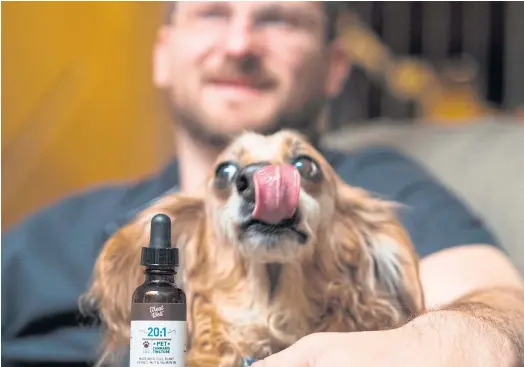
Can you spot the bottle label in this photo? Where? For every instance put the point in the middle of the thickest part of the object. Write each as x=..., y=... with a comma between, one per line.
x=158, y=334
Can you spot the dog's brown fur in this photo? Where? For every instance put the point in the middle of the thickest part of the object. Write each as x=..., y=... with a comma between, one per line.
x=358, y=272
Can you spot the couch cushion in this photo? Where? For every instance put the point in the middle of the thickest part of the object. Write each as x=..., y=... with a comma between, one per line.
x=482, y=162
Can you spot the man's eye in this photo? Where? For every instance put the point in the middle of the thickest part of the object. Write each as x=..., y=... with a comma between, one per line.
x=212, y=13
x=273, y=18
x=276, y=19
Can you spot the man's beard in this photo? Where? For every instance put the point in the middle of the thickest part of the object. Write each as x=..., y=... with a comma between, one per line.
x=304, y=119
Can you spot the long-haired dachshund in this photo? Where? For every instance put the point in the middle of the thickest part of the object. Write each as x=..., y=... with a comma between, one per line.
x=276, y=247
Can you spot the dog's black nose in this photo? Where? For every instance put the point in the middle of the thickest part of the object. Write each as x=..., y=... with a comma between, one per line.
x=244, y=181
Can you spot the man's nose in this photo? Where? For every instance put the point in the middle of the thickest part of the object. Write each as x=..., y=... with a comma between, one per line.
x=240, y=39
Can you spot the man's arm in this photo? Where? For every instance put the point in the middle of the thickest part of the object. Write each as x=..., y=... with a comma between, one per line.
x=479, y=286
x=451, y=273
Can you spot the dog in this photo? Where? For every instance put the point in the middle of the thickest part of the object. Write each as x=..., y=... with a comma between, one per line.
x=274, y=247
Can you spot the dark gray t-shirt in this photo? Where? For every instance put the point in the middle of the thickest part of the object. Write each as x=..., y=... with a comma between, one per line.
x=47, y=260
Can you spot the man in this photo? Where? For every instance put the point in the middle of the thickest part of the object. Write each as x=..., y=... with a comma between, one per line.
x=232, y=66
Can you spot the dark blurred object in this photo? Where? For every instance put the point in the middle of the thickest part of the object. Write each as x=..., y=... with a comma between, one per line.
x=449, y=62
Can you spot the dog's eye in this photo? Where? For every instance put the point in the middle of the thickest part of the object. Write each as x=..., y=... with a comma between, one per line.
x=224, y=174
x=307, y=168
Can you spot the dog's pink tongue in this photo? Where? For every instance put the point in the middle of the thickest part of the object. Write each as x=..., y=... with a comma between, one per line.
x=277, y=188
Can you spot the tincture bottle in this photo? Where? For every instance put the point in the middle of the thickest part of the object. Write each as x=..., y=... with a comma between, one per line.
x=158, y=309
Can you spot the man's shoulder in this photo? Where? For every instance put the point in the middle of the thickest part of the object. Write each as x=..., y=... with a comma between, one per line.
x=435, y=217
x=91, y=211
x=367, y=167
x=77, y=208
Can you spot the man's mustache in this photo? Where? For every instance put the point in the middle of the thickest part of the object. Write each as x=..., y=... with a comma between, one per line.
x=256, y=75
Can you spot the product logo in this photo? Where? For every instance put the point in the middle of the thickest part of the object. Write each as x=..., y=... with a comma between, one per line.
x=156, y=311
x=146, y=349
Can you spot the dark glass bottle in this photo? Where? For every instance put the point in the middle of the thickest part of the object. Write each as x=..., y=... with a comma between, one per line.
x=158, y=311
x=159, y=287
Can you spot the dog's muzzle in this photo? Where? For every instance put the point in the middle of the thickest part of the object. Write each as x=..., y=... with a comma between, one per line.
x=272, y=190
x=270, y=196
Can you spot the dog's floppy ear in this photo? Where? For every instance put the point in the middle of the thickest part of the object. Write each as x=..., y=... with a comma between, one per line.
x=385, y=260
x=118, y=271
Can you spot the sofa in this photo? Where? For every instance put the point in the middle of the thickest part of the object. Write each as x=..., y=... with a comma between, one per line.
x=481, y=161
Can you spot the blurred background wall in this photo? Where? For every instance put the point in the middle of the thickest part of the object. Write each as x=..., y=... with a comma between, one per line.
x=78, y=106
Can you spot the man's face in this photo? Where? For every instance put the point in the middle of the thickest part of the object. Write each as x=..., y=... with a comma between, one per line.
x=235, y=66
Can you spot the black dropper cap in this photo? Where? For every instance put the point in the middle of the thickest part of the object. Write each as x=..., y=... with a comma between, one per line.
x=160, y=252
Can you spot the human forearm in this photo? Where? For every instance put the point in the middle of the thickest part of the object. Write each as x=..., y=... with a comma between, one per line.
x=482, y=329
x=486, y=325
x=498, y=308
